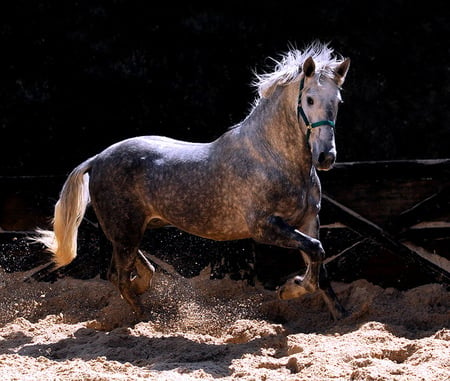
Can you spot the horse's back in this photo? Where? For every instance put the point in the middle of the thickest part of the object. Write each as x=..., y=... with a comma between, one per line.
x=153, y=146
x=143, y=164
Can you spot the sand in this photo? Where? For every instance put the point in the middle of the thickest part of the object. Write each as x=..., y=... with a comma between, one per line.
x=202, y=329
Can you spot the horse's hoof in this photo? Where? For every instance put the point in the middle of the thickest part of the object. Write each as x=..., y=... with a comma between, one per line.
x=293, y=288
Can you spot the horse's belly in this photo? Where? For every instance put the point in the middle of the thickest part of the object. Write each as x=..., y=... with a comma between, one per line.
x=219, y=227
x=223, y=233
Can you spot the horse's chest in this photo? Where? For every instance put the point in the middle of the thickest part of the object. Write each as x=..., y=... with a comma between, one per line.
x=294, y=199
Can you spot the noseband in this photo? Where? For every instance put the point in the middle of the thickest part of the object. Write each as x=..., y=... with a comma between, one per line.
x=310, y=126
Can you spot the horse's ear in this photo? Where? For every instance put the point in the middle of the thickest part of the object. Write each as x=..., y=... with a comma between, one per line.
x=340, y=71
x=309, y=67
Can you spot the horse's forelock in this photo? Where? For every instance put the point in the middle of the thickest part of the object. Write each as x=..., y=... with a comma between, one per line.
x=287, y=67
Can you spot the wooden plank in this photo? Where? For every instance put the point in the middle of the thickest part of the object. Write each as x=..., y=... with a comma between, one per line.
x=391, y=169
x=368, y=229
x=438, y=204
x=438, y=260
x=382, y=190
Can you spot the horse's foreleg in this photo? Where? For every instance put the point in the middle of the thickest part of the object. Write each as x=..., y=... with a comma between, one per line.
x=275, y=231
x=315, y=278
x=303, y=284
x=336, y=309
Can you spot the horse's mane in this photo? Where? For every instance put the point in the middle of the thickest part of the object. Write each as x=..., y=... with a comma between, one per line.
x=288, y=67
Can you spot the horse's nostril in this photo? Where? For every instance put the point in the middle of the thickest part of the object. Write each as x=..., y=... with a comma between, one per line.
x=326, y=158
x=321, y=157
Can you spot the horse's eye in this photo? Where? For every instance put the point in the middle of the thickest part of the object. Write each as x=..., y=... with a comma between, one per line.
x=310, y=101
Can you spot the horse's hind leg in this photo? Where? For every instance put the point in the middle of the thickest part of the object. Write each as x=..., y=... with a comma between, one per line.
x=129, y=269
x=125, y=272
x=122, y=214
x=141, y=280
x=141, y=277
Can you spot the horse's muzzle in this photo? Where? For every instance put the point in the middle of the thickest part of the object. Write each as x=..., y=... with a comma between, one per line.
x=325, y=161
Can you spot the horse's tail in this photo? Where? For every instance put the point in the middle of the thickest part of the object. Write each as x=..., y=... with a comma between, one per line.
x=69, y=212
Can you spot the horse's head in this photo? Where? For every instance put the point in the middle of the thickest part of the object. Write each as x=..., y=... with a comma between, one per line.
x=318, y=103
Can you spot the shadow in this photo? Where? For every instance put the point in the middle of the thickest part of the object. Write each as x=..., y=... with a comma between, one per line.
x=13, y=340
x=162, y=353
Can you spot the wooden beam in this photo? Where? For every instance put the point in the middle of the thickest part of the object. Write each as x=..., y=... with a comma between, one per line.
x=367, y=228
x=424, y=210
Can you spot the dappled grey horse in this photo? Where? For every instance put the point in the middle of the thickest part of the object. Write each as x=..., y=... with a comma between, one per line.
x=258, y=180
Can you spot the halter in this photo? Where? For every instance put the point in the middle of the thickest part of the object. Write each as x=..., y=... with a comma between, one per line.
x=310, y=126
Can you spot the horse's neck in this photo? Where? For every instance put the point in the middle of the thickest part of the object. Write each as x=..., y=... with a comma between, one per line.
x=274, y=123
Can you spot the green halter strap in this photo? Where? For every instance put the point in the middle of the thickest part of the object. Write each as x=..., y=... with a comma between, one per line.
x=310, y=126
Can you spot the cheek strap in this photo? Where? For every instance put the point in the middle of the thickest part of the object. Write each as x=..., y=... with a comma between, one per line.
x=301, y=112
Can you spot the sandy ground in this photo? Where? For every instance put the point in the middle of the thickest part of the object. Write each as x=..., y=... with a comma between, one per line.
x=202, y=329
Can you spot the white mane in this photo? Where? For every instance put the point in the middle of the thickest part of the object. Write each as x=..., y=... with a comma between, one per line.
x=289, y=66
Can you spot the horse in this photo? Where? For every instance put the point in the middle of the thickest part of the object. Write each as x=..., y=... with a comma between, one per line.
x=257, y=180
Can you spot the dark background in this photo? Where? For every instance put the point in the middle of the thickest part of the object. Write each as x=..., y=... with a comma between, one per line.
x=77, y=76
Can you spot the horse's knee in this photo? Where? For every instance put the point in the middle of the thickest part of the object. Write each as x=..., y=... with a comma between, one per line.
x=315, y=251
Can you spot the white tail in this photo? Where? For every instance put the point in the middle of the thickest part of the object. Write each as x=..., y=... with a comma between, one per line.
x=69, y=212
